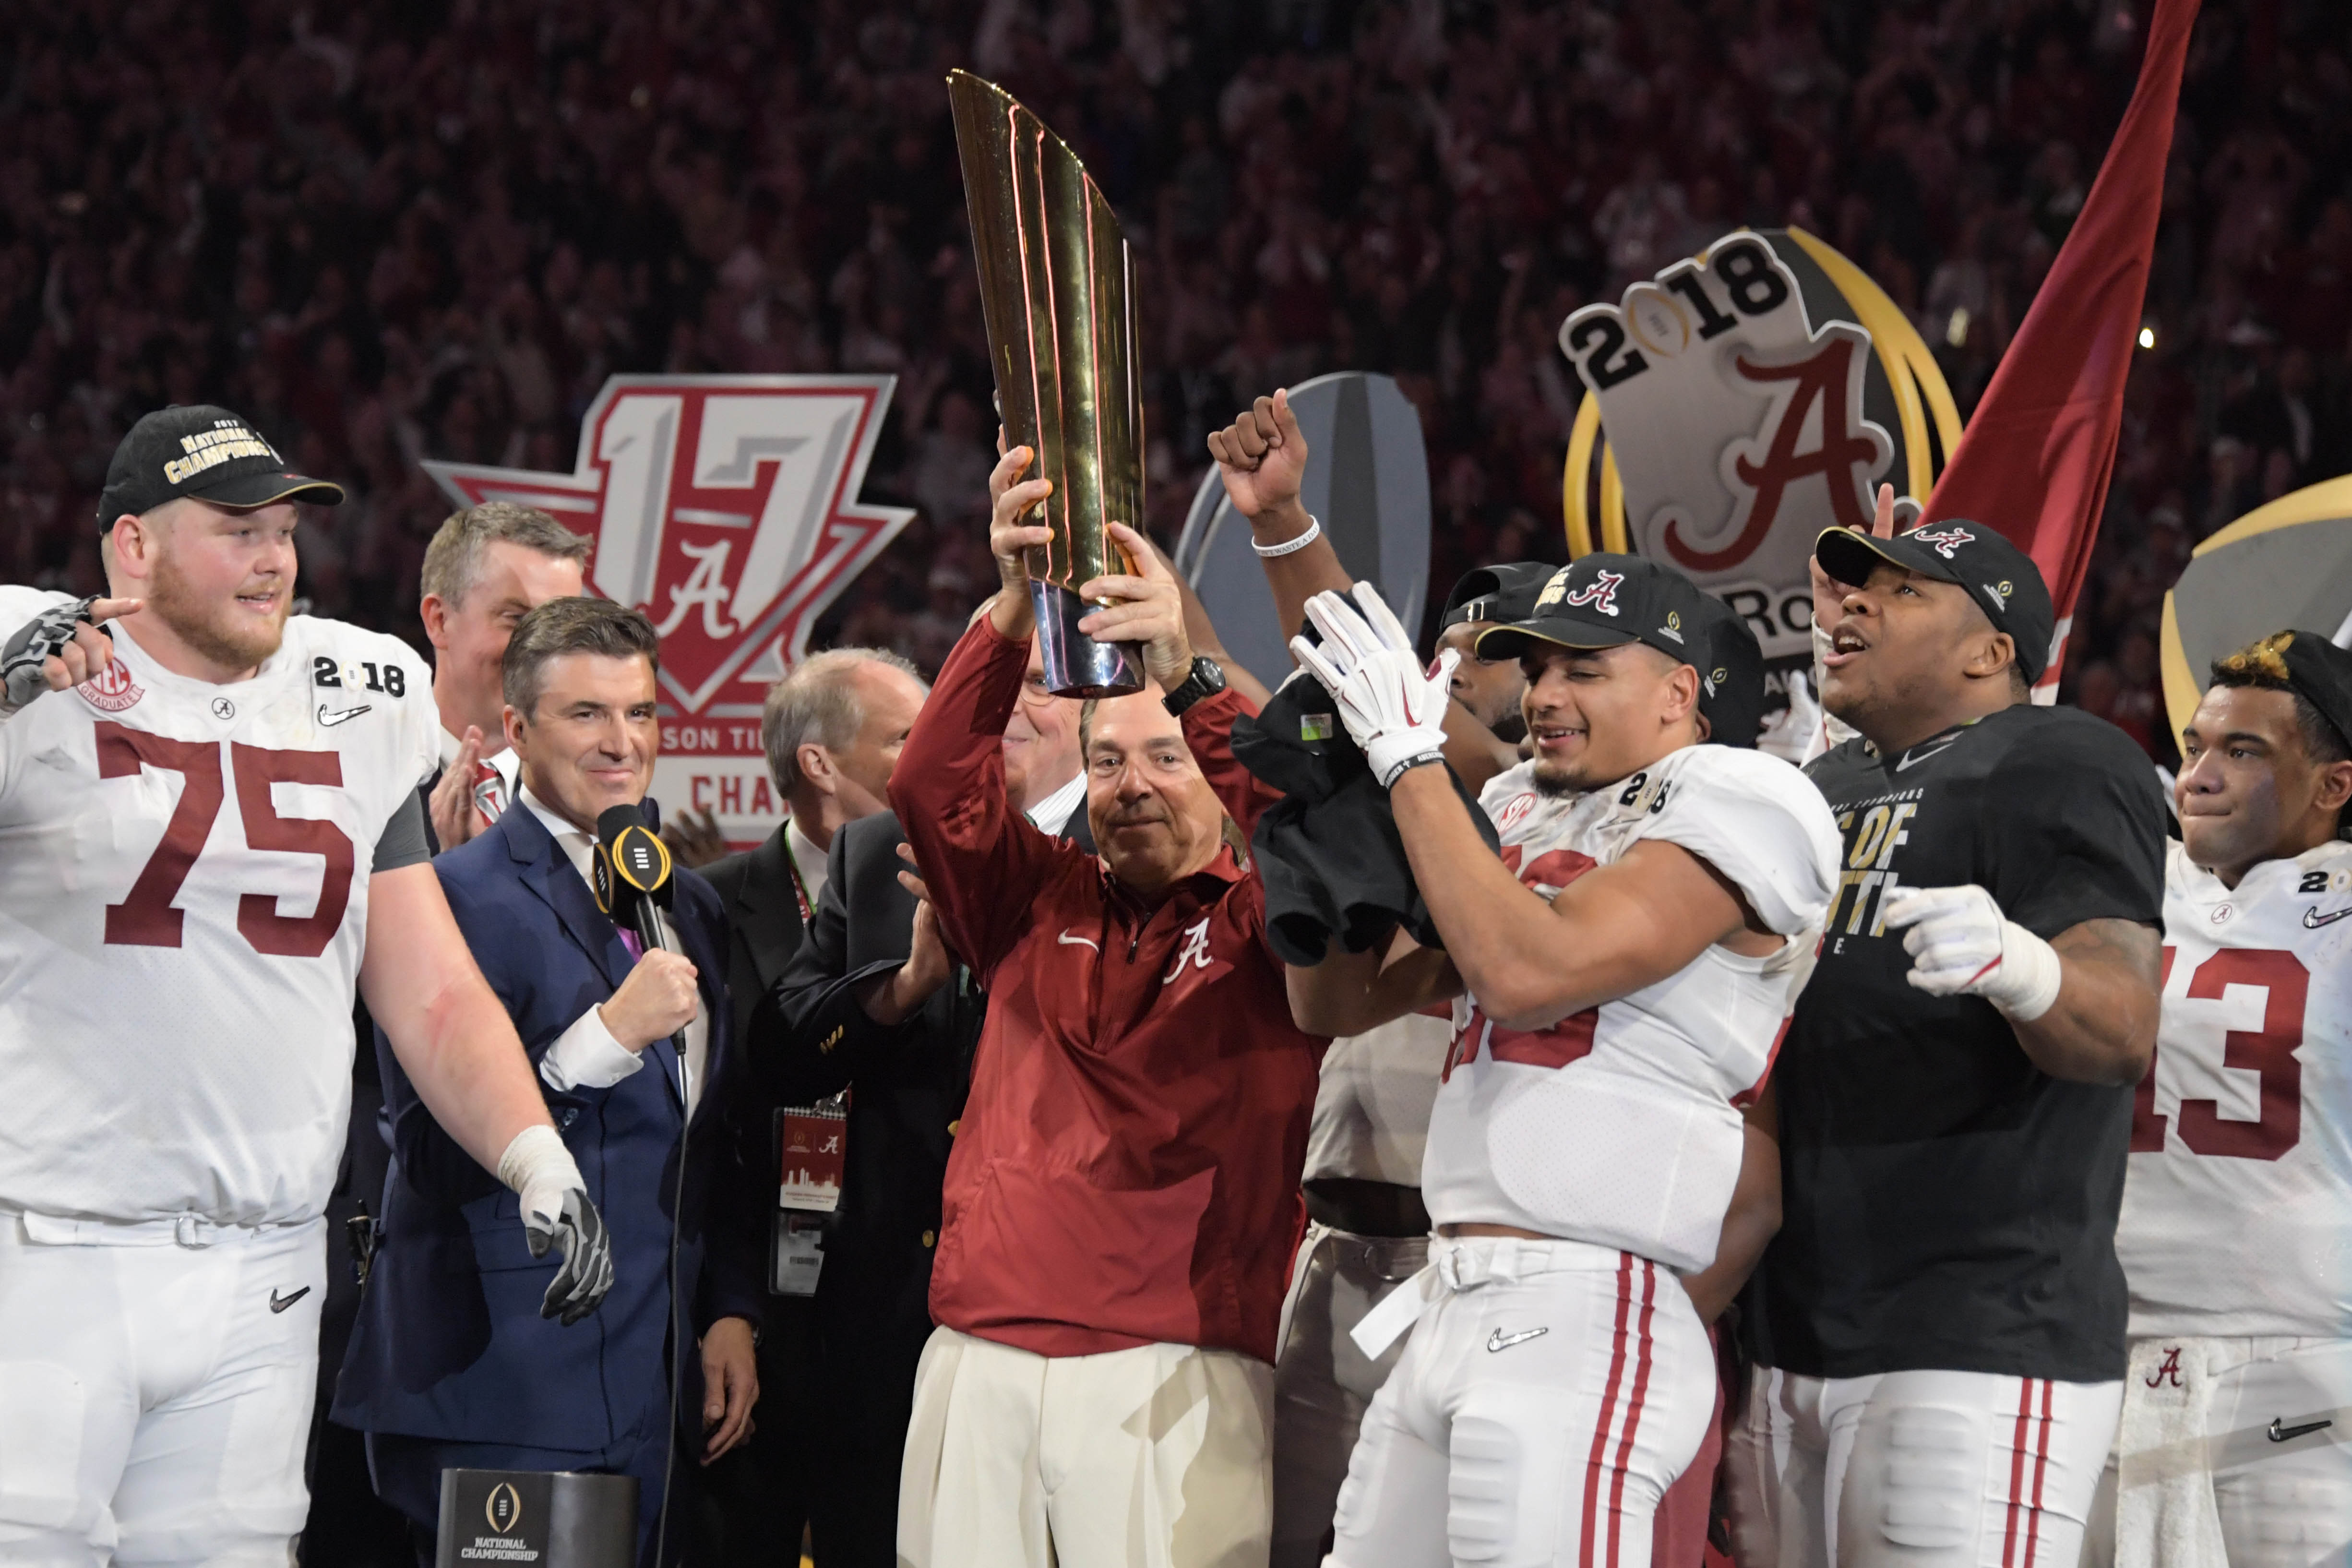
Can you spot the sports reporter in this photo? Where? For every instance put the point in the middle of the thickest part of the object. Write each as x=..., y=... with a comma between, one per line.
x=1122, y=1195
x=1624, y=968
x=160, y=1250
x=1955, y=1086
x=447, y=1367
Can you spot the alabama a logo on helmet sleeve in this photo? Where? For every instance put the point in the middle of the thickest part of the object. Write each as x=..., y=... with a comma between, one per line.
x=725, y=507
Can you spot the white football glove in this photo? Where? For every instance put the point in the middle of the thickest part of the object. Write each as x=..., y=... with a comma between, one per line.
x=1796, y=736
x=33, y=644
x=556, y=1212
x=1393, y=708
x=1960, y=943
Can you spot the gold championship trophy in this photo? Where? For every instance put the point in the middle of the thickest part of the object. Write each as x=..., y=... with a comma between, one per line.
x=1056, y=284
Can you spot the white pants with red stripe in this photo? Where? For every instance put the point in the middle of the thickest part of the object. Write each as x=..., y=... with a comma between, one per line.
x=1550, y=1395
x=1926, y=1469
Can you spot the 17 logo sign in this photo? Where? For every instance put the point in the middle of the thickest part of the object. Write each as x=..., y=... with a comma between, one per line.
x=1737, y=428
x=725, y=507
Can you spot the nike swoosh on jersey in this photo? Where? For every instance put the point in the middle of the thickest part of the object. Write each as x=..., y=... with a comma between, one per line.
x=279, y=1303
x=1499, y=1340
x=332, y=720
x=1910, y=757
x=2280, y=1432
x=1066, y=940
x=2313, y=920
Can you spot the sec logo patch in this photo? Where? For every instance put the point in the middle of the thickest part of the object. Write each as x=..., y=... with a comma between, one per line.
x=111, y=690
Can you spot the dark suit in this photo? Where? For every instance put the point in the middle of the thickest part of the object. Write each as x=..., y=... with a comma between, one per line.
x=810, y=1038
x=451, y=1362
x=761, y=1495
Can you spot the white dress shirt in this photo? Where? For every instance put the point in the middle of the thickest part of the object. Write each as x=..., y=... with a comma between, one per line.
x=586, y=1056
x=1053, y=814
x=808, y=861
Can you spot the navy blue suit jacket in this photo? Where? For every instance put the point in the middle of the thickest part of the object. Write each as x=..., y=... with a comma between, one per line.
x=449, y=1341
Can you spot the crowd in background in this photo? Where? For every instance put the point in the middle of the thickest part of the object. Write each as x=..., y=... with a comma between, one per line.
x=393, y=230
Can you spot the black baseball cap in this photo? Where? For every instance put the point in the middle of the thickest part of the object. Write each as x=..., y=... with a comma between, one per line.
x=1606, y=601
x=2314, y=669
x=1503, y=593
x=2001, y=578
x=1731, y=683
x=200, y=449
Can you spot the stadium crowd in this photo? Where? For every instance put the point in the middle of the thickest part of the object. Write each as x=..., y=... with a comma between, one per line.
x=388, y=231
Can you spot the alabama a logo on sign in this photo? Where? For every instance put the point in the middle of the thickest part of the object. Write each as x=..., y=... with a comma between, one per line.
x=725, y=507
x=1737, y=428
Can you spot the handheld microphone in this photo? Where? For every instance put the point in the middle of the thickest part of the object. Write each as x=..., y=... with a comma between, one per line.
x=632, y=879
x=632, y=874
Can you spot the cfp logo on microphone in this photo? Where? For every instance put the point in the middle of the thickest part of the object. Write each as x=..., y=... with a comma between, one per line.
x=636, y=860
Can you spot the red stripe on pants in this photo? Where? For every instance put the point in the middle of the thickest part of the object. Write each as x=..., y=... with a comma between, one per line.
x=1633, y=1407
x=2041, y=1466
x=2017, y=1470
x=1596, y=1463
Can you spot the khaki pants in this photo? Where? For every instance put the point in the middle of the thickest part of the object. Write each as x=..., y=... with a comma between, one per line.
x=1151, y=1457
x=1323, y=1383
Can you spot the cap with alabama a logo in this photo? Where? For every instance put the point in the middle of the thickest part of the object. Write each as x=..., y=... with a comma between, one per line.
x=1604, y=601
x=2001, y=578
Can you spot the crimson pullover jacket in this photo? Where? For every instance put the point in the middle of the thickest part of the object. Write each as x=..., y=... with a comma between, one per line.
x=1127, y=1168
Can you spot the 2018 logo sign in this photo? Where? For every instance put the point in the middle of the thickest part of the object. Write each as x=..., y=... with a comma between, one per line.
x=725, y=507
x=1737, y=429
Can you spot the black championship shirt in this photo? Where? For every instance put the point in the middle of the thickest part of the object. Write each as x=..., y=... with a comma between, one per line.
x=1945, y=1204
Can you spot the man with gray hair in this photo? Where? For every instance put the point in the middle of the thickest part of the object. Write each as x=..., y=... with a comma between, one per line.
x=487, y=567
x=832, y=729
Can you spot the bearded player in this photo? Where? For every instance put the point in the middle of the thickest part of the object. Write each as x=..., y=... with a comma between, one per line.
x=1938, y=1327
x=1624, y=970
x=2236, y=1237
x=209, y=832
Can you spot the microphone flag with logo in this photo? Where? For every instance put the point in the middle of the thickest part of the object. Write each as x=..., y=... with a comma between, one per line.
x=1056, y=286
x=632, y=872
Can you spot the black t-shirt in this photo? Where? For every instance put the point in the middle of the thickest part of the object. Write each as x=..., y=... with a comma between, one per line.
x=1945, y=1203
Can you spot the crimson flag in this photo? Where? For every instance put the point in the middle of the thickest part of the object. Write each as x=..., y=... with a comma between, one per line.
x=2035, y=458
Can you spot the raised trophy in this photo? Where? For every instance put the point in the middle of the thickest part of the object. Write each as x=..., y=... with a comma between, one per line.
x=1056, y=284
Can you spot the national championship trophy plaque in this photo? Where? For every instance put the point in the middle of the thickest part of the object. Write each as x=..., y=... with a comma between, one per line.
x=1056, y=286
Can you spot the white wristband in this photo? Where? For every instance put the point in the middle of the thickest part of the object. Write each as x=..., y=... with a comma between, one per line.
x=537, y=1155
x=1314, y=532
x=2029, y=975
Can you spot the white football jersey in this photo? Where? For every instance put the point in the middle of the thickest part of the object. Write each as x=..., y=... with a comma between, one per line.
x=2237, y=1216
x=184, y=876
x=1620, y=1125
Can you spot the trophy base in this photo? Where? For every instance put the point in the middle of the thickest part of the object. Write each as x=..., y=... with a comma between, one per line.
x=1077, y=665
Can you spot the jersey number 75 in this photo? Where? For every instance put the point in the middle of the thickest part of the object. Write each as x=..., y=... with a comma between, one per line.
x=146, y=918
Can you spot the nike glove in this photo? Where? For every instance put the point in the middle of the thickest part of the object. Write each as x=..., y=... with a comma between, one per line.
x=556, y=1212
x=1961, y=944
x=35, y=643
x=1393, y=708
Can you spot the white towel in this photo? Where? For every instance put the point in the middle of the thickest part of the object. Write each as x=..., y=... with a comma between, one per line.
x=2165, y=1515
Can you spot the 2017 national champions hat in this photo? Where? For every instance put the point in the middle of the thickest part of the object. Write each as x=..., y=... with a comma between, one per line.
x=203, y=450
x=2001, y=578
x=1602, y=600
x=1501, y=594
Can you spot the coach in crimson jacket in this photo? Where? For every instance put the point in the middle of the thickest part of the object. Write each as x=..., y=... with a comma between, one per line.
x=1122, y=1201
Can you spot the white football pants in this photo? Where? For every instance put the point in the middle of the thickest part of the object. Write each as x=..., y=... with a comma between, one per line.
x=1551, y=1393
x=1921, y=1470
x=155, y=1389
x=1157, y=1456
x=2284, y=1501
